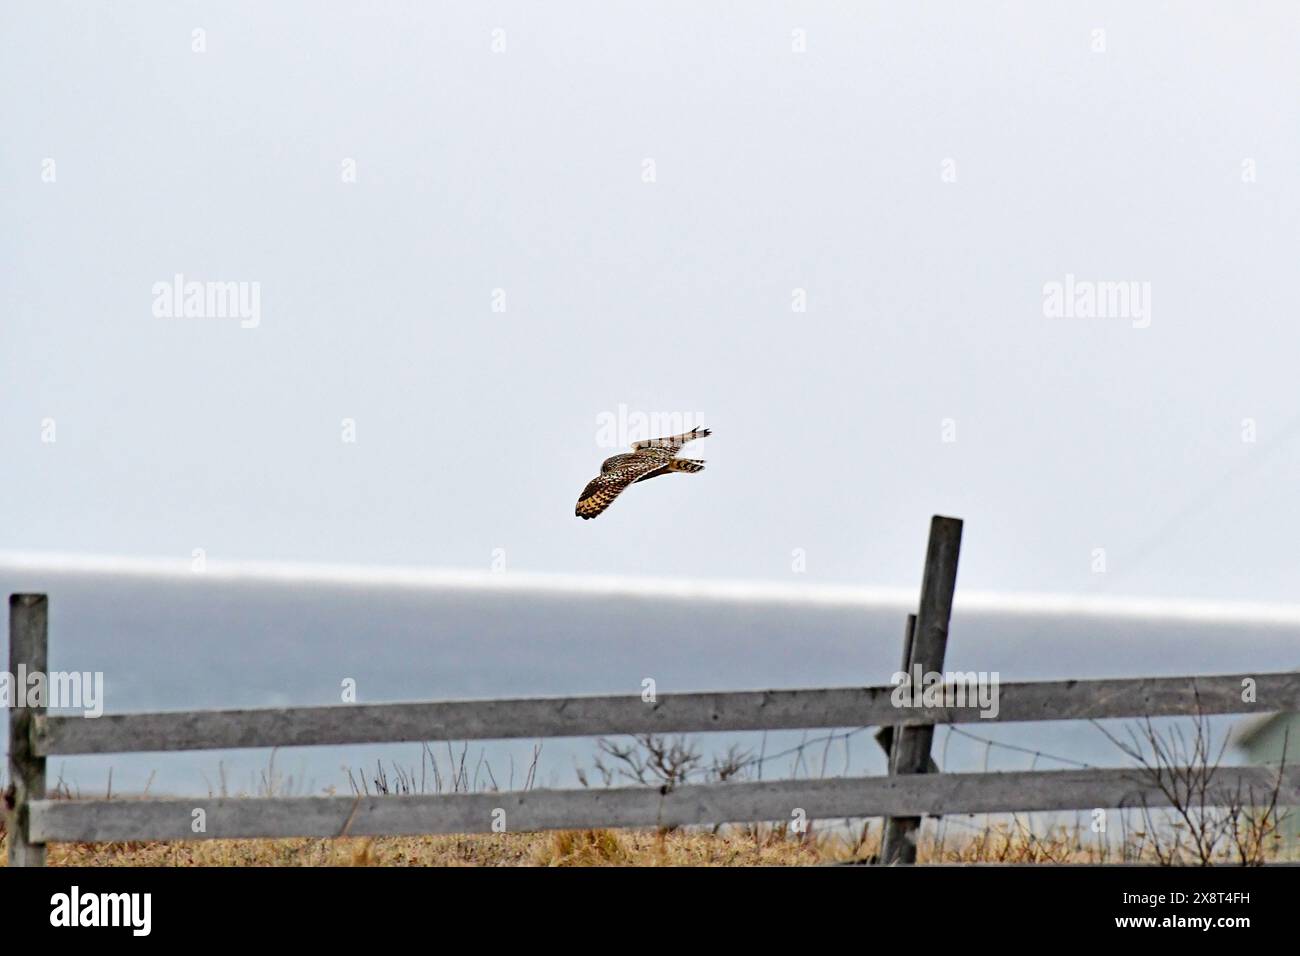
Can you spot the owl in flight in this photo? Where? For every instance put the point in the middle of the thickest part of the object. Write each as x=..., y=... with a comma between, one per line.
x=649, y=459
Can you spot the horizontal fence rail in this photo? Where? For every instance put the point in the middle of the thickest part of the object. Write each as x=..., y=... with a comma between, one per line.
x=174, y=819
x=672, y=713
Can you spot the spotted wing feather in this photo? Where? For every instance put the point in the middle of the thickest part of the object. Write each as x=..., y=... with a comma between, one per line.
x=604, y=488
x=673, y=443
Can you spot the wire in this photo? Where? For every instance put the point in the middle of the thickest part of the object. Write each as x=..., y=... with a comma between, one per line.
x=1024, y=750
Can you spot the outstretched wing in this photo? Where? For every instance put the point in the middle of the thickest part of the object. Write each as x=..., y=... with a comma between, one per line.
x=674, y=443
x=604, y=488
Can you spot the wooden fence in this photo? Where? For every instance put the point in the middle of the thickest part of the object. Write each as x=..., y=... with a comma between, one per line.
x=910, y=790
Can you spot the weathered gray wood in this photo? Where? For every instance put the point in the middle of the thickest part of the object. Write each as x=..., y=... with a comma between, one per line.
x=929, y=644
x=909, y=637
x=886, y=735
x=175, y=819
x=672, y=713
x=28, y=654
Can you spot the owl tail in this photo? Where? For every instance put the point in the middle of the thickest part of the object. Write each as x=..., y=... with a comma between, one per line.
x=688, y=465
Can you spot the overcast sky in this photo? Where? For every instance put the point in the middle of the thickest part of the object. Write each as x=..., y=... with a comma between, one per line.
x=643, y=188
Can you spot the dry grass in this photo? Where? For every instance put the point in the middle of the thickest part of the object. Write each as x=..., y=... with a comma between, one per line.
x=564, y=848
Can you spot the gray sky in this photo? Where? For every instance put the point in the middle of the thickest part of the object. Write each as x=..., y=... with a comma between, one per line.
x=1169, y=158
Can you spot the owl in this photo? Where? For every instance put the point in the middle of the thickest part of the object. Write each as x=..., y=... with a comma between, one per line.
x=648, y=459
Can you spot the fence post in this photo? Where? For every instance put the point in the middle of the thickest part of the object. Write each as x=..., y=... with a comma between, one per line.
x=28, y=654
x=887, y=734
x=909, y=636
x=911, y=746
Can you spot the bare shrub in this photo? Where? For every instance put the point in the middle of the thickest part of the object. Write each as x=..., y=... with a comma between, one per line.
x=1207, y=822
